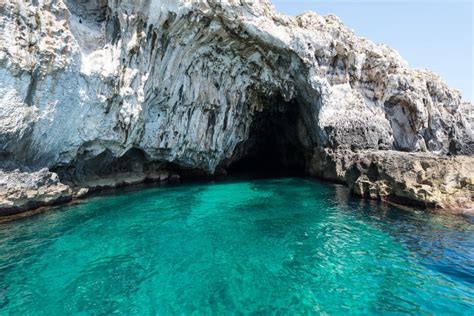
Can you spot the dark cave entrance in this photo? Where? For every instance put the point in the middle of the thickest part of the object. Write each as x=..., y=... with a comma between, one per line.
x=275, y=146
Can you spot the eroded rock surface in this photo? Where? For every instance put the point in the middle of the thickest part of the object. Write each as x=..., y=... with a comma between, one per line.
x=436, y=182
x=21, y=191
x=97, y=88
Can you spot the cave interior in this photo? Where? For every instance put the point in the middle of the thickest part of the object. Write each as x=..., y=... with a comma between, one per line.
x=274, y=147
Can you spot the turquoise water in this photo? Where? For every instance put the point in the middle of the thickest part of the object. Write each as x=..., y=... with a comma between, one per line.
x=281, y=246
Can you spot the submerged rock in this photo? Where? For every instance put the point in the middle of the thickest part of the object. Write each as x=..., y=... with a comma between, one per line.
x=97, y=88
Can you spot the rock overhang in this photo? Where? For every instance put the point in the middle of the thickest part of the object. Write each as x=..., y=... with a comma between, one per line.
x=181, y=82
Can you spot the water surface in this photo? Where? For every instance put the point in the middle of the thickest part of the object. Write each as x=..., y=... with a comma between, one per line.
x=273, y=246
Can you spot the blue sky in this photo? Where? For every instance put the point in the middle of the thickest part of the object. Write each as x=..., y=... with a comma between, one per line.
x=428, y=34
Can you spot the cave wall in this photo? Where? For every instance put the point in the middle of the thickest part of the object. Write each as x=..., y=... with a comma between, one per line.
x=184, y=82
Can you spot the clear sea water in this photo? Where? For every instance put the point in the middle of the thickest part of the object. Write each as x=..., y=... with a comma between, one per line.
x=266, y=247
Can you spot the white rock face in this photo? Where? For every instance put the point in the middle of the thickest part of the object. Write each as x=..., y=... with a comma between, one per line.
x=94, y=85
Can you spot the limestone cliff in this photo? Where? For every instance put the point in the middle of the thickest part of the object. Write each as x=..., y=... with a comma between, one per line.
x=95, y=88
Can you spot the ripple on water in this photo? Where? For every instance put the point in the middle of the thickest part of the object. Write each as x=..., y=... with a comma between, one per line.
x=261, y=246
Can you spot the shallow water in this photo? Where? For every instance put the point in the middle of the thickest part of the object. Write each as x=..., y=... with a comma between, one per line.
x=278, y=246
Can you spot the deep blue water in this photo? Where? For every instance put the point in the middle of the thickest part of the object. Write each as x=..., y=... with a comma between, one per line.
x=272, y=246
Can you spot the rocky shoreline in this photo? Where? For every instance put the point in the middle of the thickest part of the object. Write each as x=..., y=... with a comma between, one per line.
x=101, y=93
x=21, y=192
x=24, y=191
x=418, y=179
x=414, y=179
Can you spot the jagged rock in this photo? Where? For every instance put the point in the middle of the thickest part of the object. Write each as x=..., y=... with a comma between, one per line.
x=437, y=182
x=21, y=191
x=99, y=88
x=24, y=190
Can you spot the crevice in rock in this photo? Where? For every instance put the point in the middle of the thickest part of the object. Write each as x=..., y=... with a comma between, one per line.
x=113, y=29
x=402, y=116
x=30, y=93
x=274, y=146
